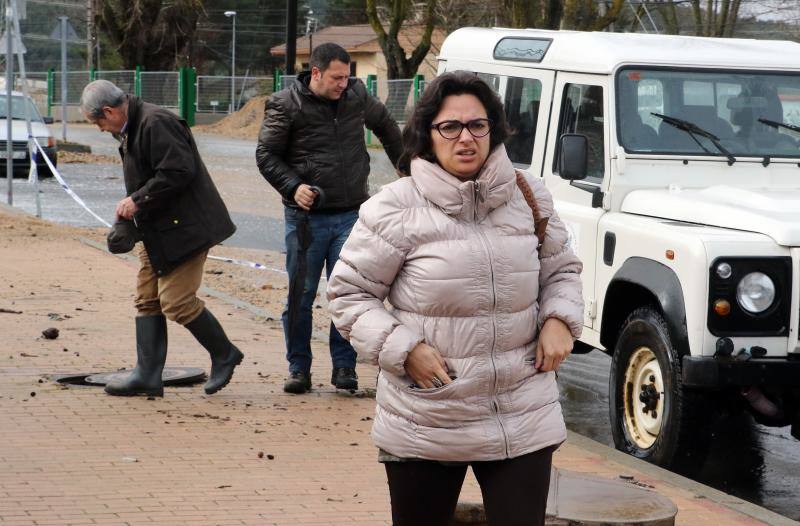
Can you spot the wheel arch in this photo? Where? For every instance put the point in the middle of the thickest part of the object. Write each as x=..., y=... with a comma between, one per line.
x=641, y=281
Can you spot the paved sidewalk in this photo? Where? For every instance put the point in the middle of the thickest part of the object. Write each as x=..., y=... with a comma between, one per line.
x=248, y=455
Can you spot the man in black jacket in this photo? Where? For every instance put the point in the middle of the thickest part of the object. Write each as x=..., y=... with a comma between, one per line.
x=180, y=216
x=311, y=149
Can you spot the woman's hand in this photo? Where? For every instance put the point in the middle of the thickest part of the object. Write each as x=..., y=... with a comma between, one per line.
x=426, y=367
x=555, y=344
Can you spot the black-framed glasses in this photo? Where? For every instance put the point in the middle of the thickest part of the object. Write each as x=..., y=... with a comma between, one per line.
x=452, y=129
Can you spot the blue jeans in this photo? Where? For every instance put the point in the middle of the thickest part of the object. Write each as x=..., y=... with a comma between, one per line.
x=328, y=232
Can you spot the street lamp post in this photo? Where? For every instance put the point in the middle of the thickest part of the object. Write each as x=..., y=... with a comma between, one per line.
x=232, y=15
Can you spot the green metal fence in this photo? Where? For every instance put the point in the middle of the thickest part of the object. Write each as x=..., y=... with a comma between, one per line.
x=189, y=94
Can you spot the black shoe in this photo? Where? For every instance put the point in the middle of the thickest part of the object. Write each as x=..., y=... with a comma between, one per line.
x=151, y=353
x=345, y=378
x=297, y=383
x=224, y=355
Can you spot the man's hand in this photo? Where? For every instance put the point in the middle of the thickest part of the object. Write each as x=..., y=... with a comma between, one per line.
x=426, y=367
x=304, y=196
x=555, y=344
x=126, y=208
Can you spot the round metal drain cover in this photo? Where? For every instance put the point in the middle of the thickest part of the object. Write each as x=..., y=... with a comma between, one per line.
x=171, y=376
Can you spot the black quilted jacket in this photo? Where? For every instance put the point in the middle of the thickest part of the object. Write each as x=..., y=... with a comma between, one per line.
x=303, y=140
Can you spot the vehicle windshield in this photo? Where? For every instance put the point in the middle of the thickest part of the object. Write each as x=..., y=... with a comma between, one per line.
x=18, y=108
x=730, y=105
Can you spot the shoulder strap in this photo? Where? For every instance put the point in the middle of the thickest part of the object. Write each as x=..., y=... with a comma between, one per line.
x=539, y=222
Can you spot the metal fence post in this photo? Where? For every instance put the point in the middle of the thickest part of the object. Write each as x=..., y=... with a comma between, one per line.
x=276, y=80
x=137, y=82
x=181, y=94
x=372, y=89
x=92, y=75
x=51, y=87
x=186, y=96
x=419, y=82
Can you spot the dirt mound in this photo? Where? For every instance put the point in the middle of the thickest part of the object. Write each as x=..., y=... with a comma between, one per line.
x=76, y=157
x=243, y=124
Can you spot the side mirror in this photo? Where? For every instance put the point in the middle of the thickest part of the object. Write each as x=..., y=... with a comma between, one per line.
x=573, y=156
x=47, y=120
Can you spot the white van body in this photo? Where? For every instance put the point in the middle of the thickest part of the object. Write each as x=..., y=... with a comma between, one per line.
x=672, y=230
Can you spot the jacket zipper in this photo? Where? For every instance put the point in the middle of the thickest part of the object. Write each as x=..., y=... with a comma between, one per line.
x=481, y=236
x=339, y=148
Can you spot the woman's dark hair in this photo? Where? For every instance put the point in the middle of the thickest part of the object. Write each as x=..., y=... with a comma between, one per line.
x=417, y=132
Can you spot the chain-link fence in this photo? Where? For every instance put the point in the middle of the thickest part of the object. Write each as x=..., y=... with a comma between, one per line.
x=124, y=79
x=76, y=80
x=160, y=87
x=214, y=94
x=397, y=95
x=286, y=81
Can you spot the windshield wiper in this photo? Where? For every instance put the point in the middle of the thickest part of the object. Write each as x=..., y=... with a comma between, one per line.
x=776, y=124
x=693, y=129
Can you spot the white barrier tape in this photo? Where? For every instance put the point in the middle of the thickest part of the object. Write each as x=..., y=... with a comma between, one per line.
x=65, y=186
x=244, y=263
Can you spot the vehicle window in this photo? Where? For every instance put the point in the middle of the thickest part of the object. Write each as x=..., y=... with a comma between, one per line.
x=582, y=113
x=18, y=108
x=521, y=97
x=732, y=106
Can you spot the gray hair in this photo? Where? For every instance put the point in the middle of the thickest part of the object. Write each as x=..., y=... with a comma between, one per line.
x=97, y=95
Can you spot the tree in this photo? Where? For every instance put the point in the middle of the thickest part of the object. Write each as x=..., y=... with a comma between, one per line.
x=453, y=14
x=585, y=15
x=154, y=34
x=563, y=14
x=543, y=14
x=716, y=24
x=709, y=18
x=398, y=65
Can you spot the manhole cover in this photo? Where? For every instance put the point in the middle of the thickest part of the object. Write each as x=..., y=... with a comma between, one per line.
x=171, y=376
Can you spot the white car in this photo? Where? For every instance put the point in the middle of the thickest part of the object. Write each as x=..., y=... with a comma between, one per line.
x=19, y=136
x=675, y=163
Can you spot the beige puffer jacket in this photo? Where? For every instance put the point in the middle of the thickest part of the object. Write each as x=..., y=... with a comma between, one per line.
x=458, y=263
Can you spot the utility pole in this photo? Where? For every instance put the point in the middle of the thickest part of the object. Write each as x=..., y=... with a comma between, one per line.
x=63, y=20
x=291, y=35
x=9, y=88
x=232, y=107
x=90, y=34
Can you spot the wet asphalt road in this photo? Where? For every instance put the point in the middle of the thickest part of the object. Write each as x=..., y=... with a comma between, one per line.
x=756, y=463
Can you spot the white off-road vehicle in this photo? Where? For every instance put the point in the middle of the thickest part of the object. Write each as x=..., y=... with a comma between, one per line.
x=675, y=163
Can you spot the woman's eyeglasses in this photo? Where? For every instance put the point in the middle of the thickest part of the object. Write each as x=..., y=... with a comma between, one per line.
x=452, y=129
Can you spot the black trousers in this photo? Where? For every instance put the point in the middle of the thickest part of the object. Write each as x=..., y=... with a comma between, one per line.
x=425, y=492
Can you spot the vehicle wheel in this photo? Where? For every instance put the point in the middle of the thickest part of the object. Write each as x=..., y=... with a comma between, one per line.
x=653, y=417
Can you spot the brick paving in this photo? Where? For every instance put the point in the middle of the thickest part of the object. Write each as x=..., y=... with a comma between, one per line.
x=249, y=454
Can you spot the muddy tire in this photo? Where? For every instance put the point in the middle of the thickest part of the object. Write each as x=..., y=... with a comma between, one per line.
x=653, y=417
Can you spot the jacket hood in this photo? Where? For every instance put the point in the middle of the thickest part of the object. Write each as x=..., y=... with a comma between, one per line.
x=493, y=187
x=773, y=212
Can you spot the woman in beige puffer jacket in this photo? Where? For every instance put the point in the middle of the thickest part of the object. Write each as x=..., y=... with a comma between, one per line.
x=478, y=318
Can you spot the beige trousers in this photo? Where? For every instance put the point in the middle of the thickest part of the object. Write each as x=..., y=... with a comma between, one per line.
x=174, y=295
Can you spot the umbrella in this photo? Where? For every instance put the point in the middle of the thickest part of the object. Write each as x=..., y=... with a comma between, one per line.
x=297, y=283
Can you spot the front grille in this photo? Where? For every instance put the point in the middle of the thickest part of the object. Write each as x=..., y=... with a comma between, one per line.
x=17, y=146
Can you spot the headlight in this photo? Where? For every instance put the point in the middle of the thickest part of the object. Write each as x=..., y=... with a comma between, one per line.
x=755, y=292
x=724, y=270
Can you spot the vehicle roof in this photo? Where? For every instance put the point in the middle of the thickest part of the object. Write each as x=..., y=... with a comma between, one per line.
x=601, y=52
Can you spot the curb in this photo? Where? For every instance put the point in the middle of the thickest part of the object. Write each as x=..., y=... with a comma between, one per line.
x=698, y=489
